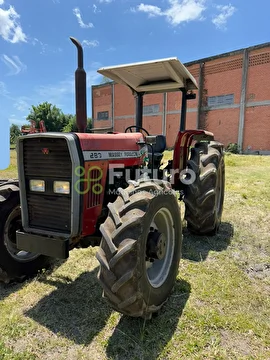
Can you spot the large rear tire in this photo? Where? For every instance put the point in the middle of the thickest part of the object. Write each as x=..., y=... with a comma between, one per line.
x=14, y=264
x=204, y=197
x=140, y=249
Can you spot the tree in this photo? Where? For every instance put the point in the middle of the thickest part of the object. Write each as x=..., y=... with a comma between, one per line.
x=71, y=124
x=14, y=133
x=53, y=117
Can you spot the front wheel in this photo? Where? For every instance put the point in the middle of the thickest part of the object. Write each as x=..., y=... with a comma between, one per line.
x=140, y=249
x=14, y=263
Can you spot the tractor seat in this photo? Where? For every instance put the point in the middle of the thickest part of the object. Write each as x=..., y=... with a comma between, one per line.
x=158, y=149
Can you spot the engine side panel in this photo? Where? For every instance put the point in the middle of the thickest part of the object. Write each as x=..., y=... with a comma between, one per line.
x=94, y=177
x=102, y=153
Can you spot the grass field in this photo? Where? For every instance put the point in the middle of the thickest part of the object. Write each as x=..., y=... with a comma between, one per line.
x=220, y=307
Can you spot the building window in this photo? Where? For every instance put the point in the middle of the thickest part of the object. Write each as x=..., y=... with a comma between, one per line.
x=221, y=100
x=151, y=109
x=103, y=115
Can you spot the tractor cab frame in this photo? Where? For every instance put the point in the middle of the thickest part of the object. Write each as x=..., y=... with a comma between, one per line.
x=152, y=77
x=160, y=76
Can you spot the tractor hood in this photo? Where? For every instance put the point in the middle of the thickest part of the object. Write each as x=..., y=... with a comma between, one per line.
x=115, y=141
x=111, y=146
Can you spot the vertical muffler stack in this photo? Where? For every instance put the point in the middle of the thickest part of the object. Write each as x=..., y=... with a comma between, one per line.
x=80, y=89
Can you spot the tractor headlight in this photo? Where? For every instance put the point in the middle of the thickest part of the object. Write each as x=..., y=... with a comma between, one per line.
x=37, y=185
x=61, y=187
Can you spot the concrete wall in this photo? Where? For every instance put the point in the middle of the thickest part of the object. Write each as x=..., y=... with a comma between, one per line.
x=243, y=73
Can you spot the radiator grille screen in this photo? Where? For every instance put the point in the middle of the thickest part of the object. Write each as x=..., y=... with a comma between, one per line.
x=49, y=160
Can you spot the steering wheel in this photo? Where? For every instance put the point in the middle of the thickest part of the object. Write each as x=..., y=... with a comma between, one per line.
x=136, y=127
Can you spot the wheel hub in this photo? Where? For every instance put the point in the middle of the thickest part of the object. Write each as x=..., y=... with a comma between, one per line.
x=156, y=245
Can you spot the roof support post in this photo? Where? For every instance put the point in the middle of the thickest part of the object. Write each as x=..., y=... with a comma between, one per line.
x=165, y=98
x=183, y=110
x=112, y=99
x=139, y=109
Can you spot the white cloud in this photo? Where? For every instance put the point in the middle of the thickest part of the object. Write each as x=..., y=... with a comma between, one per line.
x=56, y=90
x=226, y=12
x=59, y=92
x=3, y=89
x=78, y=15
x=92, y=43
x=95, y=9
x=1, y=2
x=150, y=9
x=13, y=119
x=10, y=28
x=105, y=1
x=111, y=48
x=15, y=65
x=179, y=11
x=22, y=104
x=45, y=48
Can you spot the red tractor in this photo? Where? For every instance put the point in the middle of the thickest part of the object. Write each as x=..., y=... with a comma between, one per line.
x=109, y=190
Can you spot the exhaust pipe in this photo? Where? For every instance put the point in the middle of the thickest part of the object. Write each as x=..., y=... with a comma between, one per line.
x=80, y=89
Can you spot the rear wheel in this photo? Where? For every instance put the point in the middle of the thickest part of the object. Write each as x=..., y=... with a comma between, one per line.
x=204, y=197
x=14, y=263
x=140, y=249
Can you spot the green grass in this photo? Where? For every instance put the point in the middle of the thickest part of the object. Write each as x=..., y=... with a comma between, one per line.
x=220, y=307
x=11, y=171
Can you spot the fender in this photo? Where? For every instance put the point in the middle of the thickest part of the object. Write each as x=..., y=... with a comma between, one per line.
x=181, y=151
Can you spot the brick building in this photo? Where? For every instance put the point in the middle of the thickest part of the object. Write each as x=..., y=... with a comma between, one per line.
x=233, y=102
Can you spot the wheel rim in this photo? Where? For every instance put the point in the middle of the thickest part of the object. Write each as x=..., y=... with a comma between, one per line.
x=157, y=270
x=13, y=224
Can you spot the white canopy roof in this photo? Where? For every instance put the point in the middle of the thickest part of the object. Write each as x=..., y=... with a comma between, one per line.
x=152, y=76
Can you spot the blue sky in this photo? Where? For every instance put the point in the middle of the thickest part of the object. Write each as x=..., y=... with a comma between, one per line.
x=38, y=59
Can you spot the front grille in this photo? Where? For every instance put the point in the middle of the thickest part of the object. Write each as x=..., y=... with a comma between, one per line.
x=56, y=163
x=47, y=159
x=49, y=212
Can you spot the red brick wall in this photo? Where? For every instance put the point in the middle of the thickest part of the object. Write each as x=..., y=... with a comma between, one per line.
x=124, y=107
x=258, y=88
x=124, y=103
x=121, y=124
x=257, y=119
x=224, y=124
x=193, y=104
x=172, y=128
x=153, y=124
x=191, y=122
x=257, y=128
x=102, y=101
x=174, y=101
x=222, y=76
